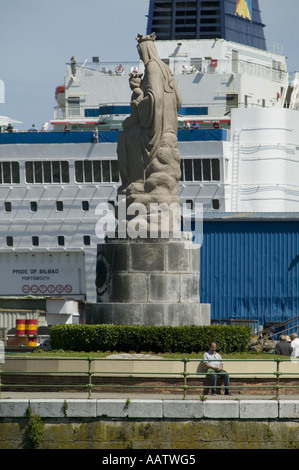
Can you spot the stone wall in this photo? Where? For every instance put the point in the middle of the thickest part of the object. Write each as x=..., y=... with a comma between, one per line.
x=152, y=424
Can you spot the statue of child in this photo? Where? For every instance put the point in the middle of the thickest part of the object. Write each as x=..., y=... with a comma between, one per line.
x=136, y=97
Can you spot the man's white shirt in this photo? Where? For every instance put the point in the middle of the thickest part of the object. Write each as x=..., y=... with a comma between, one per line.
x=295, y=346
x=214, y=360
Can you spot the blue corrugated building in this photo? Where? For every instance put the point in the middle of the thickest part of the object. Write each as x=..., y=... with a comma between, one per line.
x=250, y=268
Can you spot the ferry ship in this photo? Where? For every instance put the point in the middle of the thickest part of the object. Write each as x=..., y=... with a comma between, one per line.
x=238, y=139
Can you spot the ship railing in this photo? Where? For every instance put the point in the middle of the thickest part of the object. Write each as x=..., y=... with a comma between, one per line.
x=184, y=376
x=107, y=68
x=59, y=113
x=276, y=48
x=209, y=66
x=187, y=66
x=293, y=76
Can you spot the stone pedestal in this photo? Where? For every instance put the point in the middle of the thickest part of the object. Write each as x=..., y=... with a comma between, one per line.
x=148, y=282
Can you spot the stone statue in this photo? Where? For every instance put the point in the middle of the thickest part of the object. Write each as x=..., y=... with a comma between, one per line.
x=149, y=160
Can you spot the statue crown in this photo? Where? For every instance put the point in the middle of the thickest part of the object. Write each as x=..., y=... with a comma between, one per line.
x=150, y=37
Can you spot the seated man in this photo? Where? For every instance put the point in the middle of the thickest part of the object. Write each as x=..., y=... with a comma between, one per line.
x=213, y=362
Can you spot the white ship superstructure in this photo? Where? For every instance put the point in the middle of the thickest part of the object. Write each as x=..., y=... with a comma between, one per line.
x=242, y=94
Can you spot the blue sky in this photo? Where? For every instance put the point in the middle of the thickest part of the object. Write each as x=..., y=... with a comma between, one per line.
x=38, y=37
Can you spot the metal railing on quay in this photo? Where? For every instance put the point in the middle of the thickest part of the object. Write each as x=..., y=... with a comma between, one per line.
x=184, y=373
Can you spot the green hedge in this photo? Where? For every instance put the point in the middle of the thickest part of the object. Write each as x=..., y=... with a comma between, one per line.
x=156, y=339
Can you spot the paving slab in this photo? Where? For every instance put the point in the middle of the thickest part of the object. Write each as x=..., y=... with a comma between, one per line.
x=258, y=409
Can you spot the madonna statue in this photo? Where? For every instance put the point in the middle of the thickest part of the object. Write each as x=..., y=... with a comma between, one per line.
x=149, y=160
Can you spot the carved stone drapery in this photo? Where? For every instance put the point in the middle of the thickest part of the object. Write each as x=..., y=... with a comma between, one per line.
x=149, y=160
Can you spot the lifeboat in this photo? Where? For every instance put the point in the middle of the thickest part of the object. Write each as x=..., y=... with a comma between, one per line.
x=60, y=96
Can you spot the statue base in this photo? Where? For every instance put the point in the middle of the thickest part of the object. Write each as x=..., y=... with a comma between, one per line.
x=148, y=282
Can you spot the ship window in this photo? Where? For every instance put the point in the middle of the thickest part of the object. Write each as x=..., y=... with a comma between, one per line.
x=9, y=241
x=35, y=241
x=9, y=172
x=15, y=172
x=87, y=172
x=197, y=170
x=33, y=206
x=106, y=171
x=38, y=172
x=215, y=169
x=204, y=169
x=79, y=172
x=85, y=205
x=59, y=206
x=7, y=206
x=114, y=171
x=215, y=204
x=231, y=101
x=47, y=172
x=188, y=170
x=65, y=172
x=189, y=204
x=56, y=172
x=60, y=240
x=6, y=172
x=86, y=240
x=96, y=171
x=74, y=106
x=29, y=172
